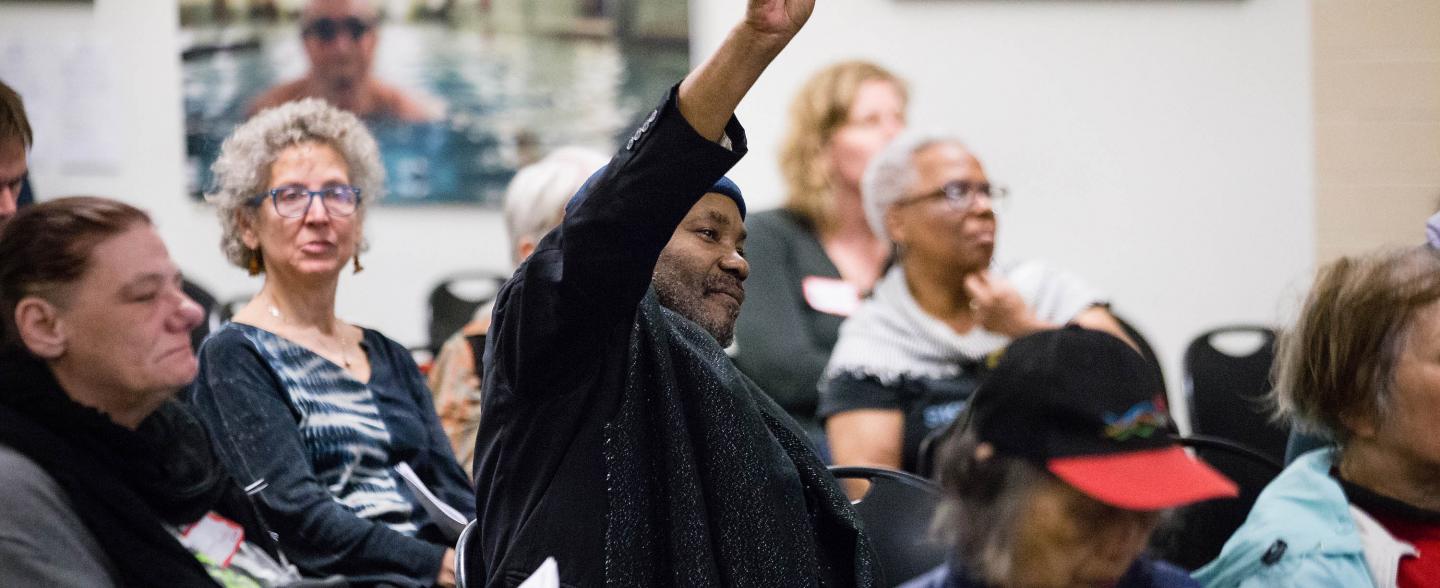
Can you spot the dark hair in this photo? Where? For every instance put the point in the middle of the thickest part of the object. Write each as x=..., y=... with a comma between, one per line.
x=12, y=117
x=48, y=246
x=1339, y=359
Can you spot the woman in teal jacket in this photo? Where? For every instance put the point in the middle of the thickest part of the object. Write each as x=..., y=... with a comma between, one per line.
x=1363, y=365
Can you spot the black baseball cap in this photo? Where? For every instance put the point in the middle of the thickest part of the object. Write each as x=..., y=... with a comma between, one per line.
x=1085, y=406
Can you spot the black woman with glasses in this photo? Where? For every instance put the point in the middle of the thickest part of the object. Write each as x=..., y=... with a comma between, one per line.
x=340, y=37
x=317, y=417
x=908, y=360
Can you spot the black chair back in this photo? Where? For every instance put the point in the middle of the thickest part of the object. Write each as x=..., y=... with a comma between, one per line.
x=454, y=301
x=1195, y=534
x=896, y=512
x=1226, y=393
x=210, y=305
x=1146, y=350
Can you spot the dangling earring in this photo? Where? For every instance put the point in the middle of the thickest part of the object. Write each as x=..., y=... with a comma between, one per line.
x=254, y=264
x=358, y=268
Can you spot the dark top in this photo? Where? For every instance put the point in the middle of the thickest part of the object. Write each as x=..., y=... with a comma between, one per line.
x=126, y=486
x=312, y=478
x=604, y=439
x=1144, y=573
x=927, y=404
x=781, y=340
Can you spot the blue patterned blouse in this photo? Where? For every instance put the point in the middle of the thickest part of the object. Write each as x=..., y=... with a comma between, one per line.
x=317, y=449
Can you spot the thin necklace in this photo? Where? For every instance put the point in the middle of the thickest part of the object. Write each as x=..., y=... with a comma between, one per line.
x=344, y=344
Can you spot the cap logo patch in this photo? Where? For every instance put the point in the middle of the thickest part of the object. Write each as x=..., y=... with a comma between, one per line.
x=1141, y=420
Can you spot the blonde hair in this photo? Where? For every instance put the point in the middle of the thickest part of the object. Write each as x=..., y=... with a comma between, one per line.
x=820, y=108
x=1339, y=359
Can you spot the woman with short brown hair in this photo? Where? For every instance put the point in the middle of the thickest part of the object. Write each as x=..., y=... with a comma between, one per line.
x=1362, y=364
x=107, y=481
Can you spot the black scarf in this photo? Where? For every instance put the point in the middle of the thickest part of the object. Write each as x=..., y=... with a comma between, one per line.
x=123, y=484
x=710, y=483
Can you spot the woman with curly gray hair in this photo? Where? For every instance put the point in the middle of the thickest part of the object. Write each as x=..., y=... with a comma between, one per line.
x=312, y=413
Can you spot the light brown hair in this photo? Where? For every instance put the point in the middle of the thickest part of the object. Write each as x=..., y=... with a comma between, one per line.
x=1339, y=359
x=12, y=117
x=820, y=108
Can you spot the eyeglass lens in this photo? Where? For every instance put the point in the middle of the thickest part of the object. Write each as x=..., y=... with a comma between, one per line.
x=294, y=201
x=963, y=190
x=326, y=29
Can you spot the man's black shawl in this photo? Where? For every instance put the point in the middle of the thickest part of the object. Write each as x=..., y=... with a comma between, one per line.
x=710, y=481
x=616, y=436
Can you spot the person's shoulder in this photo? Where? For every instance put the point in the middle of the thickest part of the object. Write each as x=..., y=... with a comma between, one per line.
x=778, y=222
x=229, y=339
x=391, y=349
x=1300, y=527
x=373, y=336
x=30, y=492
x=43, y=542
x=277, y=95
x=1028, y=271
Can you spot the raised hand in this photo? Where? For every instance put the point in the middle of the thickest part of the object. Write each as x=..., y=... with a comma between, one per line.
x=709, y=95
x=778, y=17
x=998, y=307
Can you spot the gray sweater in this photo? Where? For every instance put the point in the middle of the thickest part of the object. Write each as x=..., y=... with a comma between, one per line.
x=42, y=540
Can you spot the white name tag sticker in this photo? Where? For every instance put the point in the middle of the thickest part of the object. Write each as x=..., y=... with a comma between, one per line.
x=831, y=296
x=215, y=537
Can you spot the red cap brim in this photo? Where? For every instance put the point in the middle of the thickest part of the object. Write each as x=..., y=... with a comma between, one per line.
x=1144, y=480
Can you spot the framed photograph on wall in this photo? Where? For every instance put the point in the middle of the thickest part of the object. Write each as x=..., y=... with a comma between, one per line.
x=459, y=93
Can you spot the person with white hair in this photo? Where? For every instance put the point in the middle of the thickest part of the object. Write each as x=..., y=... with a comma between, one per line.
x=534, y=204
x=907, y=361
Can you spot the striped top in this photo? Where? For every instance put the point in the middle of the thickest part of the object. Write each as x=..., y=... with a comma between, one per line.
x=346, y=438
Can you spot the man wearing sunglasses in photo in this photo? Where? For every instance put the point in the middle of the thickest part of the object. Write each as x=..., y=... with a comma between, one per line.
x=340, y=37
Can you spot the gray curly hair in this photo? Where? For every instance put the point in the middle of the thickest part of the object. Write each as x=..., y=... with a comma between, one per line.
x=242, y=169
x=891, y=174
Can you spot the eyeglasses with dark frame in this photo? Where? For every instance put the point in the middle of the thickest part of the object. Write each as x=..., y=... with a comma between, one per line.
x=294, y=201
x=326, y=29
x=960, y=194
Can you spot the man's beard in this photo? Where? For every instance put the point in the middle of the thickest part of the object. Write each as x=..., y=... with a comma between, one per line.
x=677, y=293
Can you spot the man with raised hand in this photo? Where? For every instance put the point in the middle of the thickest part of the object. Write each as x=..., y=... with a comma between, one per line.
x=617, y=436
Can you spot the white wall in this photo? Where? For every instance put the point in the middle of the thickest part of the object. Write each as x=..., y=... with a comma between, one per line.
x=411, y=248
x=1161, y=149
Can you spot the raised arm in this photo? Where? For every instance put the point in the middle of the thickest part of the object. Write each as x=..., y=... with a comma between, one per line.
x=601, y=263
x=709, y=95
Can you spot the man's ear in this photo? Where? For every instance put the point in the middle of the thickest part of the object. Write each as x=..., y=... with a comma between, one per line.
x=41, y=327
x=524, y=247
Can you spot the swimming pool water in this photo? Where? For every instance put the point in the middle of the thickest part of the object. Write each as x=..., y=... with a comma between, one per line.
x=510, y=98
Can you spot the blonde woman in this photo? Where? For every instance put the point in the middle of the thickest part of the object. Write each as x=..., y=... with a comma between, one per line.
x=812, y=260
